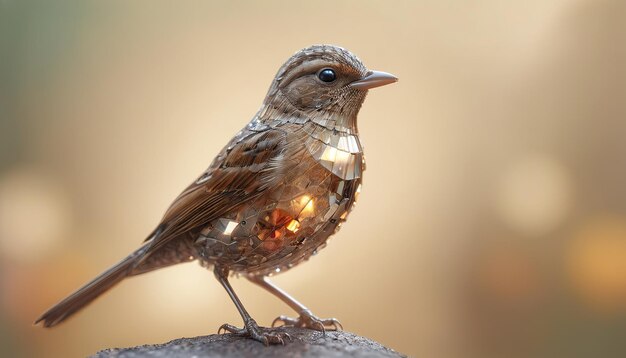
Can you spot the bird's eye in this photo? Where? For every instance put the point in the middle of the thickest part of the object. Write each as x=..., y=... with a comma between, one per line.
x=327, y=75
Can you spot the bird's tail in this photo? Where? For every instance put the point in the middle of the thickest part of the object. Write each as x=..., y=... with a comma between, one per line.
x=84, y=295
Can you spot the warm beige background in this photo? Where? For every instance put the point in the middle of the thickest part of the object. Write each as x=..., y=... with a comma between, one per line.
x=492, y=220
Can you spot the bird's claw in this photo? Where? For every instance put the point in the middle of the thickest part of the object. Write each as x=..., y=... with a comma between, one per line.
x=308, y=320
x=252, y=330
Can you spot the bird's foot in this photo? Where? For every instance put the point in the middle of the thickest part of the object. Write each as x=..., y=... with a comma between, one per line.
x=251, y=329
x=308, y=320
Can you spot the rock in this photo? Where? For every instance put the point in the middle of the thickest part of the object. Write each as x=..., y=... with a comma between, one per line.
x=305, y=343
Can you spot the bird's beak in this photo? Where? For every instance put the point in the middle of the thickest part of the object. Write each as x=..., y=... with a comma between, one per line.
x=374, y=79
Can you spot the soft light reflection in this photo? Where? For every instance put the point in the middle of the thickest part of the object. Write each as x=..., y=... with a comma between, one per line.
x=34, y=215
x=308, y=208
x=230, y=226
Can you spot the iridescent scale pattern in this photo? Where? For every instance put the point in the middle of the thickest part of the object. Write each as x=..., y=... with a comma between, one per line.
x=293, y=219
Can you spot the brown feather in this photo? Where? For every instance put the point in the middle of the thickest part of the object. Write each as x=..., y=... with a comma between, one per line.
x=89, y=292
x=240, y=173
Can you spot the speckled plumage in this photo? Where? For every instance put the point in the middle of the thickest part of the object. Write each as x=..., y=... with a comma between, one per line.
x=273, y=195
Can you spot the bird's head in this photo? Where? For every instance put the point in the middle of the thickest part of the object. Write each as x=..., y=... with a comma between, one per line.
x=323, y=82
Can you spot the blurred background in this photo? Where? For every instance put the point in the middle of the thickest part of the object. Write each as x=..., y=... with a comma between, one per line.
x=492, y=221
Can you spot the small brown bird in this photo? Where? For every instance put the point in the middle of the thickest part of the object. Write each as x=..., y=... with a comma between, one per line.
x=271, y=197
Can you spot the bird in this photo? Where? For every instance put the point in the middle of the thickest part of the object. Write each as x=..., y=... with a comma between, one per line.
x=272, y=196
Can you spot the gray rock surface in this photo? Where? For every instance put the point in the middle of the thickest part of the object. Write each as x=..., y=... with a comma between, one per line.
x=305, y=343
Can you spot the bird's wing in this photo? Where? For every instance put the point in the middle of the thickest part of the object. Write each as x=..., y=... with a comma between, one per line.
x=240, y=173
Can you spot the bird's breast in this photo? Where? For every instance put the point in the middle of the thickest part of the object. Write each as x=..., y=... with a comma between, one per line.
x=297, y=214
x=339, y=152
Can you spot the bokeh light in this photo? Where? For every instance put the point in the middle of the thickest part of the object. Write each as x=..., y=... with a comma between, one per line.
x=34, y=215
x=596, y=264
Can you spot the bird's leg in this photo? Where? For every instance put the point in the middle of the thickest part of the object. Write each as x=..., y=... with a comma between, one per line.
x=306, y=319
x=251, y=328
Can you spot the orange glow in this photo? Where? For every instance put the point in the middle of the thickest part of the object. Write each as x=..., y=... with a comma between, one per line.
x=307, y=205
x=596, y=265
x=293, y=225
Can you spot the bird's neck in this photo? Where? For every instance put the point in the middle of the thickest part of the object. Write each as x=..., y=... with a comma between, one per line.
x=273, y=114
